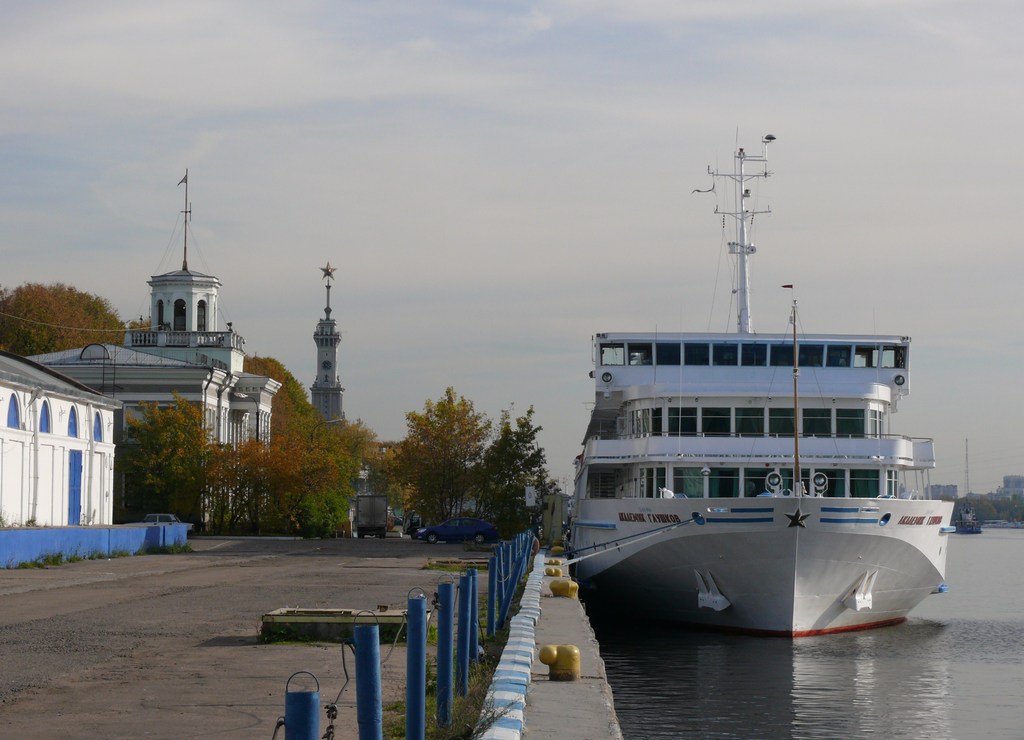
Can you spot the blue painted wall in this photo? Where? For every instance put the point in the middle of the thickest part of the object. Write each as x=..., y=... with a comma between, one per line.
x=26, y=545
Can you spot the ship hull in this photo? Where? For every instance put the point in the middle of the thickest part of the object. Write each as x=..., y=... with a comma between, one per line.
x=780, y=566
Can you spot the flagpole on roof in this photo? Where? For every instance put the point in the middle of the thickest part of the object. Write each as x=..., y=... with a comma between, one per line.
x=187, y=212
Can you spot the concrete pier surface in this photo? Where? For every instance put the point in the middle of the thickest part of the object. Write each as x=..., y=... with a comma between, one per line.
x=166, y=646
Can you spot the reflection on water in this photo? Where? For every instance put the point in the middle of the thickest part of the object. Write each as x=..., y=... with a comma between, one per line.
x=954, y=670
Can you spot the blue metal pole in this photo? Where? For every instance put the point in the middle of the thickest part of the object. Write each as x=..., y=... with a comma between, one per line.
x=462, y=646
x=302, y=712
x=492, y=588
x=369, y=712
x=445, y=651
x=474, y=616
x=416, y=670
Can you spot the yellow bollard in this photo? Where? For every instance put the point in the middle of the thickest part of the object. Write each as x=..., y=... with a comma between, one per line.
x=551, y=571
x=552, y=561
x=556, y=549
x=565, y=588
x=563, y=662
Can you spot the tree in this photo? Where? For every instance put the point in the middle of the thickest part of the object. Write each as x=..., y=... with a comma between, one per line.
x=511, y=462
x=167, y=459
x=37, y=318
x=439, y=457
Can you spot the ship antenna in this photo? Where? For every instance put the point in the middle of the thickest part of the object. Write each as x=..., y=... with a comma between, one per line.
x=798, y=486
x=188, y=215
x=742, y=247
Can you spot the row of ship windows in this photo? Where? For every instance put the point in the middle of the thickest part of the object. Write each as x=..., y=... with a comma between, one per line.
x=45, y=425
x=695, y=482
x=752, y=354
x=684, y=421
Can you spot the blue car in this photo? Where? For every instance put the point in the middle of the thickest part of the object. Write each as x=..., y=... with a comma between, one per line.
x=458, y=529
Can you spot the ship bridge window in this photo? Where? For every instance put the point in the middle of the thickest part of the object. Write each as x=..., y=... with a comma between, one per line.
x=682, y=422
x=811, y=355
x=716, y=422
x=894, y=356
x=780, y=422
x=724, y=354
x=668, y=353
x=849, y=422
x=782, y=355
x=724, y=483
x=652, y=480
x=838, y=355
x=865, y=356
x=754, y=355
x=641, y=354
x=613, y=354
x=817, y=422
x=750, y=422
x=696, y=354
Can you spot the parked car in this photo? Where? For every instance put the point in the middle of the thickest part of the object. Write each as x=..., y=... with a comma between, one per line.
x=161, y=519
x=458, y=529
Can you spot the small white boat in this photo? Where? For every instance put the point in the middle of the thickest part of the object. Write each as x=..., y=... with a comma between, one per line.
x=749, y=481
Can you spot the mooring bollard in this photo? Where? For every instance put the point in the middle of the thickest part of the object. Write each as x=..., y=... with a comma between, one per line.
x=563, y=662
x=301, y=711
x=416, y=670
x=445, y=651
x=369, y=712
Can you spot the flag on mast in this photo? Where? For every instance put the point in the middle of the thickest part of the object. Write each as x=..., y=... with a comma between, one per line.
x=184, y=179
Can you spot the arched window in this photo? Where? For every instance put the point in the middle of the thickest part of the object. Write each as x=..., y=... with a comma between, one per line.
x=201, y=316
x=160, y=314
x=13, y=413
x=179, y=315
x=44, y=418
x=97, y=428
x=73, y=423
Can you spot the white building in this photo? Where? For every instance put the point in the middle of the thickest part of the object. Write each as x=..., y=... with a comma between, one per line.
x=56, y=448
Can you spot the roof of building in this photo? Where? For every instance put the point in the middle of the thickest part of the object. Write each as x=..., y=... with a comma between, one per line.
x=19, y=370
x=114, y=354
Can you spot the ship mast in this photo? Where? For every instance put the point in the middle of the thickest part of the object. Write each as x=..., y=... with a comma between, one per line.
x=798, y=485
x=742, y=247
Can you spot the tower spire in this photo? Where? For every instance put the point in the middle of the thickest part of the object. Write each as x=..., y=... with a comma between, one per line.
x=328, y=272
x=188, y=213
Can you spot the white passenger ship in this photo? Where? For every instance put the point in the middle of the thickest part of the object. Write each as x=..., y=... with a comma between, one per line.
x=749, y=481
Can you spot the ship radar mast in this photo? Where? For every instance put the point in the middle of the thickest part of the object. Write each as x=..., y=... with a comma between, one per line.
x=743, y=215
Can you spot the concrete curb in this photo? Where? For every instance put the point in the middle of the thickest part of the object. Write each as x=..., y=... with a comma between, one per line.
x=507, y=694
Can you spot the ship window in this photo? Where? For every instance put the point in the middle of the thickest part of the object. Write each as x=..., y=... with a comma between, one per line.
x=754, y=481
x=894, y=356
x=613, y=354
x=864, y=483
x=838, y=355
x=724, y=354
x=782, y=355
x=874, y=423
x=724, y=483
x=849, y=422
x=811, y=355
x=817, y=422
x=836, y=486
x=865, y=356
x=641, y=354
x=668, y=353
x=716, y=422
x=688, y=482
x=754, y=355
x=656, y=425
x=682, y=421
x=750, y=422
x=696, y=354
x=652, y=480
x=780, y=422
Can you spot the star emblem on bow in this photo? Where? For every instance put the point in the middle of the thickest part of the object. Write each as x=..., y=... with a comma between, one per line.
x=797, y=519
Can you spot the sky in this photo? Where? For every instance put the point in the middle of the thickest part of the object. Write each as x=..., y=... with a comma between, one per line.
x=498, y=181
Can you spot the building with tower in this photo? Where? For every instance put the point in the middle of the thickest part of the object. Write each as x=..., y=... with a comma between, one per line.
x=326, y=391
x=184, y=352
